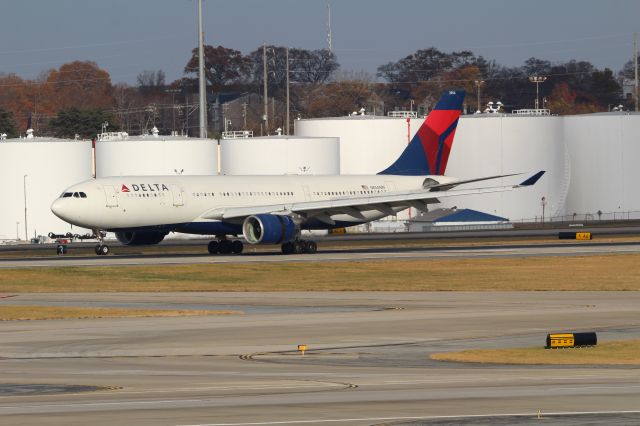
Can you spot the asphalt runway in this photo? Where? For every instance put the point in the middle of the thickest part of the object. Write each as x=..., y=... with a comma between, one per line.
x=359, y=254
x=367, y=362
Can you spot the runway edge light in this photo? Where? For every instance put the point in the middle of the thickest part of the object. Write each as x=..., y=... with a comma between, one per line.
x=302, y=349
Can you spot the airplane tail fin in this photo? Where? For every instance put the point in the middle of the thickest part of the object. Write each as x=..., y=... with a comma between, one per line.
x=428, y=151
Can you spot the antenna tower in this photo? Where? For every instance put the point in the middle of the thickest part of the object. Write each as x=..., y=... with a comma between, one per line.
x=329, y=41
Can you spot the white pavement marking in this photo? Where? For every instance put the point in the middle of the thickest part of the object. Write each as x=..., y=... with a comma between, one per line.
x=378, y=419
x=220, y=388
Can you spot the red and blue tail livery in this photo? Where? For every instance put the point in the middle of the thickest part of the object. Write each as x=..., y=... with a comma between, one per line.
x=428, y=151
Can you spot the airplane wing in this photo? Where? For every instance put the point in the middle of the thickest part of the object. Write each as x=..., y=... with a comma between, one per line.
x=354, y=206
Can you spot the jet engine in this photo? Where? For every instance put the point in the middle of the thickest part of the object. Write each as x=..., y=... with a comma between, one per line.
x=140, y=238
x=268, y=229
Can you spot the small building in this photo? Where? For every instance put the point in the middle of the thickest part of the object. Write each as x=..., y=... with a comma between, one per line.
x=442, y=220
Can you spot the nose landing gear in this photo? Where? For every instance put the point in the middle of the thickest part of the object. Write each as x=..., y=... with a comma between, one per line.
x=101, y=249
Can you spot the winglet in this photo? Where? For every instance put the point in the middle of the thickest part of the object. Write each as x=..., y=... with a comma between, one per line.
x=533, y=179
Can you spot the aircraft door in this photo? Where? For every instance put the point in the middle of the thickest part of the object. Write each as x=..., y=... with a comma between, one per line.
x=176, y=193
x=307, y=192
x=111, y=196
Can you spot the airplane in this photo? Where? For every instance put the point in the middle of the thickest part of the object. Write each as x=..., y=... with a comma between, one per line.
x=273, y=209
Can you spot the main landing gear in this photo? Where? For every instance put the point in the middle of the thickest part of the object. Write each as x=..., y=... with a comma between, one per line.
x=225, y=246
x=299, y=247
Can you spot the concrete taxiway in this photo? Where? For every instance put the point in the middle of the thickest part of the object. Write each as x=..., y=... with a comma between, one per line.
x=359, y=254
x=367, y=361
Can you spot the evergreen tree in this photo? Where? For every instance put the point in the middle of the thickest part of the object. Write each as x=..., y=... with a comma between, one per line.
x=8, y=124
x=84, y=123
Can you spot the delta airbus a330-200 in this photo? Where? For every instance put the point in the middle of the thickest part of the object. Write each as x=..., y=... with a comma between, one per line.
x=272, y=209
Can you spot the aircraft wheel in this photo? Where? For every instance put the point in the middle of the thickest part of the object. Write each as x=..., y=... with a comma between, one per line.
x=287, y=248
x=96, y=249
x=225, y=247
x=237, y=246
x=102, y=250
x=213, y=247
x=311, y=247
x=61, y=249
x=298, y=247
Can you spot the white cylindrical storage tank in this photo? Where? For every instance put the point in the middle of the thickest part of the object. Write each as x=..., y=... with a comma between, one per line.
x=487, y=145
x=279, y=155
x=156, y=156
x=604, y=150
x=40, y=169
x=368, y=143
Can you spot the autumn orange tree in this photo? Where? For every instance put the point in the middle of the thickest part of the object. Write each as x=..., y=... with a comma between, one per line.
x=79, y=84
x=338, y=98
x=16, y=97
x=564, y=100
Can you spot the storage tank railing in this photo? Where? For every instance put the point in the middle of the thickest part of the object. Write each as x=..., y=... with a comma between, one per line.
x=237, y=134
x=531, y=112
x=402, y=114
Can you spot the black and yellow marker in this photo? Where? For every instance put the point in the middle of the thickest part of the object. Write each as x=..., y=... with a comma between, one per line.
x=584, y=236
x=571, y=340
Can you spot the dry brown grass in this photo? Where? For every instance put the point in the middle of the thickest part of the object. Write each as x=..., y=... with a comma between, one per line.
x=610, y=353
x=593, y=273
x=22, y=313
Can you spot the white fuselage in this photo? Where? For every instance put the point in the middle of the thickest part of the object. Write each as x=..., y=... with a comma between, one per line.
x=130, y=202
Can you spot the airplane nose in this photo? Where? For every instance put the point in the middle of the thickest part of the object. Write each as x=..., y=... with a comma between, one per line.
x=60, y=208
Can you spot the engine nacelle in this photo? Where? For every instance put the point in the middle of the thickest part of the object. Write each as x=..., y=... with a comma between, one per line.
x=268, y=229
x=140, y=238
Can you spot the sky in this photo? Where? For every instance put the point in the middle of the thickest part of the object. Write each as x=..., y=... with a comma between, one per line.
x=126, y=37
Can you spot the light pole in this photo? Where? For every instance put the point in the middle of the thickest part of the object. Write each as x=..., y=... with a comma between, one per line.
x=478, y=84
x=202, y=84
x=537, y=79
x=265, y=99
x=17, y=232
x=24, y=186
x=173, y=92
x=286, y=129
x=543, y=202
x=244, y=115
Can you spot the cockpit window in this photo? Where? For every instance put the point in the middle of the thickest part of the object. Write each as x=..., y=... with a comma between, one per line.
x=76, y=195
x=83, y=195
x=67, y=194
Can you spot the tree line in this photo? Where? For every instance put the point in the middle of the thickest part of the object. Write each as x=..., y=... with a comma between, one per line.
x=78, y=97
